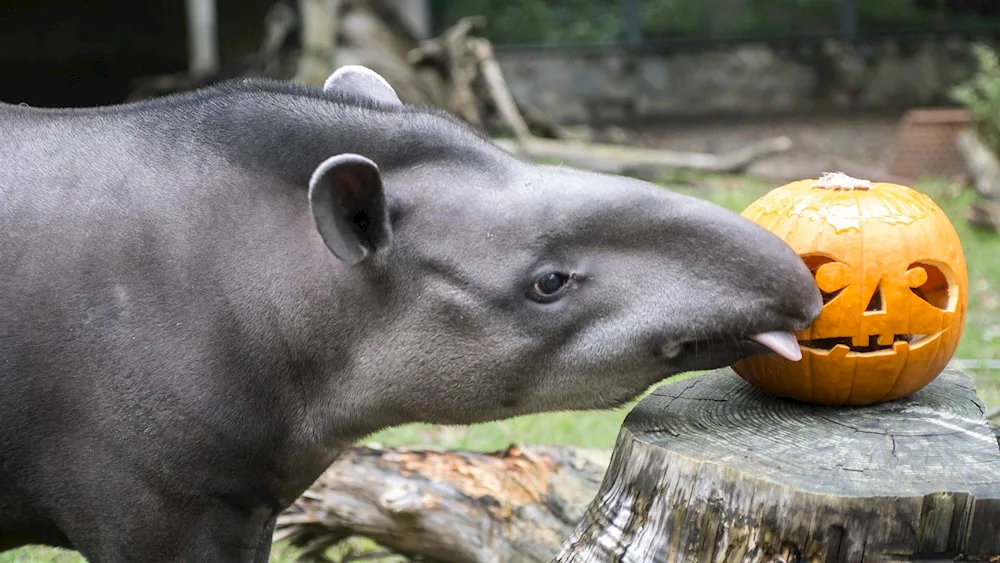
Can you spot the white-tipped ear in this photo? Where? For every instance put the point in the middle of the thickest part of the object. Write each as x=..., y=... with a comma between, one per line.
x=361, y=82
x=349, y=206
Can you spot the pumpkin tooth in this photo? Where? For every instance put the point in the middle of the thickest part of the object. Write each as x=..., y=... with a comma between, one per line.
x=839, y=352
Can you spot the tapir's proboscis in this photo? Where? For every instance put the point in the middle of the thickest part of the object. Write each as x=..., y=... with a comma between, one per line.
x=205, y=297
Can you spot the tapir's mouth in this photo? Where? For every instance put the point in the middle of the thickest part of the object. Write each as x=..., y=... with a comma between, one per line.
x=720, y=351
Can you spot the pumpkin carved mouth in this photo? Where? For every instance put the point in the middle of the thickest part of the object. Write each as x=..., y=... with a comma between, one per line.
x=876, y=343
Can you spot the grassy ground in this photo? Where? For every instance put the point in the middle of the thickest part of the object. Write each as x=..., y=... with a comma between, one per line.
x=981, y=340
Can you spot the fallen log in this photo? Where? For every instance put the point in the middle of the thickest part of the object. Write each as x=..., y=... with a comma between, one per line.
x=619, y=159
x=517, y=505
x=712, y=469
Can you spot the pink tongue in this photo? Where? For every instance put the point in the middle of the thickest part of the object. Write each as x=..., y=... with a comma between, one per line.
x=783, y=343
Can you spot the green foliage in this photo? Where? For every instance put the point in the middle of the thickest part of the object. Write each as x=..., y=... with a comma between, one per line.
x=981, y=95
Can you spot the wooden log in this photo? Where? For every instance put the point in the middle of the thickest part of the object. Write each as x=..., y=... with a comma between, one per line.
x=517, y=505
x=712, y=469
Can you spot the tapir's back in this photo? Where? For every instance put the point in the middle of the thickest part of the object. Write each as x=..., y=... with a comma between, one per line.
x=69, y=198
x=62, y=175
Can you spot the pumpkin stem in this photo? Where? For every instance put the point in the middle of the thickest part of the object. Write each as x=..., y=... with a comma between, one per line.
x=841, y=181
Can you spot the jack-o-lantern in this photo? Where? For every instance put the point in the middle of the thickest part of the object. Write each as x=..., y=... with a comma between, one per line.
x=890, y=267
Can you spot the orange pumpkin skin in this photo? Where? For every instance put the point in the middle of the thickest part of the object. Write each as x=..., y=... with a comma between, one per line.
x=892, y=272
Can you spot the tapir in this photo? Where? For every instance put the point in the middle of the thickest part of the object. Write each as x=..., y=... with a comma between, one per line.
x=206, y=297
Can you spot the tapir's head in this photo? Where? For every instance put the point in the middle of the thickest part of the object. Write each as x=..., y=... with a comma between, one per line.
x=511, y=287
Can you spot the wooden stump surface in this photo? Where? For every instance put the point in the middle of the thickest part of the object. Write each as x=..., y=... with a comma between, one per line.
x=712, y=469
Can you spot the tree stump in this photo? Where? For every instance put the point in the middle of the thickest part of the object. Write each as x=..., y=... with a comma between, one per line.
x=712, y=469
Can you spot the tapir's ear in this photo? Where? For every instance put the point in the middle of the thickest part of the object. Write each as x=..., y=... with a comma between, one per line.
x=361, y=82
x=349, y=206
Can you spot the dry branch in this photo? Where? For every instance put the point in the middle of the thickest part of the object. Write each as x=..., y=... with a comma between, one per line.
x=452, y=55
x=517, y=505
x=628, y=160
x=497, y=85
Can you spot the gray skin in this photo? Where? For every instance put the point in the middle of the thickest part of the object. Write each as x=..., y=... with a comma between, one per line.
x=204, y=298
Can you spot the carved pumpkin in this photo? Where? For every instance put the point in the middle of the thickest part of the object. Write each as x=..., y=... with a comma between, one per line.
x=890, y=267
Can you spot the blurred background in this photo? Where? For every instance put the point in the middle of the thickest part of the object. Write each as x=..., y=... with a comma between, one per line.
x=721, y=99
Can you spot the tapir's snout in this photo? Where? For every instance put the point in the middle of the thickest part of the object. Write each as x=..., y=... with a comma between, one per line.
x=781, y=271
x=754, y=290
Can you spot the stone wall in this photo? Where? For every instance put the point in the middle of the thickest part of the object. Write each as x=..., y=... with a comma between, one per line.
x=587, y=86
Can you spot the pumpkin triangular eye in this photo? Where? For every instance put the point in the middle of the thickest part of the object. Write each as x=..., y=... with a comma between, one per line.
x=831, y=275
x=875, y=304
x=830, y=296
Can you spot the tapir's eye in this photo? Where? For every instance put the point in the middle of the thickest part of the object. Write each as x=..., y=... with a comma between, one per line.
x=548, y=285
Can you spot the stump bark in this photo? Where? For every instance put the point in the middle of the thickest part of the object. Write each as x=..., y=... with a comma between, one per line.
x=712, y=469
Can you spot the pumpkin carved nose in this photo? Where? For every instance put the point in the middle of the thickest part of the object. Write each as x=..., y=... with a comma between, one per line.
x=876, y=303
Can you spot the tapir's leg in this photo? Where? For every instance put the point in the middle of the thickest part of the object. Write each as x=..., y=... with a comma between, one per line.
x=264, y=548
x=215, y=533
x=230, y=536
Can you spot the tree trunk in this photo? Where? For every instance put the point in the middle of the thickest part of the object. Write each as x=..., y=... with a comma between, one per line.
x=712, y=469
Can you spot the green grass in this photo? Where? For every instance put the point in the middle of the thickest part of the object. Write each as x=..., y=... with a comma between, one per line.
x=981, y=340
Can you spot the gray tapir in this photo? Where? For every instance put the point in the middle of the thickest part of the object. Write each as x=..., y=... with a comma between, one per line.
x=204, y=297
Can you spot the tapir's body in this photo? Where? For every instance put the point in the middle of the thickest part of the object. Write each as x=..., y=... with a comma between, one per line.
x=204, y=298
